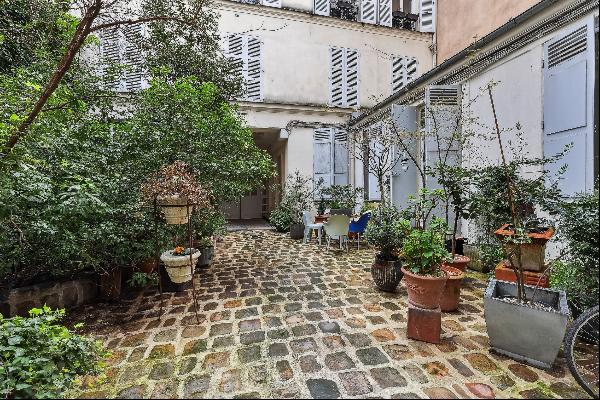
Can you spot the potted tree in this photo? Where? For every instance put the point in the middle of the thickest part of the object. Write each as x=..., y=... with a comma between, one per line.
x=298, y=196
x=423, y=253
x=523, y=322
x=342, y=199
x=532, y=251
x=386, y=231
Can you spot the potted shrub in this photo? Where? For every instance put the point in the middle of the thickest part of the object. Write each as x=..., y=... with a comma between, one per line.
x=206, y=248
x=386, y=231
x=180, y=263
x=209, y=223
x=450, y=299
x=523, y=322
x=423, y=254
x=175, y=189
x=298, y=196
x=342, y=199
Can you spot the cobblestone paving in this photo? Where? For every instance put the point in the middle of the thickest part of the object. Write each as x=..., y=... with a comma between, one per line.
x=281, y=319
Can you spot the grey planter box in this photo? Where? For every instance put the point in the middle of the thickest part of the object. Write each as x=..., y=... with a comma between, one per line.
x=524, y=333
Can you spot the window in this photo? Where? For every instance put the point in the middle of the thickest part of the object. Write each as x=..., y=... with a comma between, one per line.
x=118, y=47
x=427, y=15
x=322, y=7
x=344, y=79
x=246, y=51
x=271, y=3
x=330, y=159
x=404, y=71
x=376, y=12
x=402, y=5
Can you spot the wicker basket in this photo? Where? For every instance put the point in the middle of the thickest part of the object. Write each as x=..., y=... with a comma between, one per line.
x=386, y=274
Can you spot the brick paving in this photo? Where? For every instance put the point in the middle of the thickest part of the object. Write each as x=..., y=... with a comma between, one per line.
x=280, y=319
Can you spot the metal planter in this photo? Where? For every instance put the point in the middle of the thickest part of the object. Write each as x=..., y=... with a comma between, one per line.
x=527, y=334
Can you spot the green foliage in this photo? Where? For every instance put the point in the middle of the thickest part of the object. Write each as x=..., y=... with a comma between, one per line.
x=489, y=206
x=369, y=206
x=579, y=272
x=40, y=358
x=491, y=254
x=341, y=196
x=208, y=222
x=387, y=231
x=424, y=250
x=142, y=279
x=281, y=219
x=298, y=196
x=422, y=205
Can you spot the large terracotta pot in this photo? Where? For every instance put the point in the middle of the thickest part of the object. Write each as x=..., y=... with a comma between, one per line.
x=424, y=291
x=451, y=295
x=111, y=284
x=532, y=254
x=460, y=262
x=146, y=266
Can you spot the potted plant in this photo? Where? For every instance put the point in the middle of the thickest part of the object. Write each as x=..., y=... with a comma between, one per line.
x=423, y=254
x=175, y=189
x=342, y=199
x=209, y=223
x=206, y=248
x=450, y=299
x=180, y=263
x=298, y=196
x=523, y=322
x=386, y=231
x=533, y=251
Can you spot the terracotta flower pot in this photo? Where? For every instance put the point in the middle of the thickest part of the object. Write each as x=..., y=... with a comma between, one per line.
x=460, y=262
x=146, y=266
x=424, y=291
x=532, y=254
x=451, y=295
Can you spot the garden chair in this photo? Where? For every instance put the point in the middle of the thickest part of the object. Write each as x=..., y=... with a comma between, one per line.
x=308, y=218
x=336, y=228
x=358, y=227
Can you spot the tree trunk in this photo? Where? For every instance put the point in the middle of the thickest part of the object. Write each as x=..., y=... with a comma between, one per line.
x=81, y=32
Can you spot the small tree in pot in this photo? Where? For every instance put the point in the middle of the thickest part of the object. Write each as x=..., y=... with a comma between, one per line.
x=516, y=315
x=386, y=231
x=424, y=252
x=342, y=199
x=298, y=196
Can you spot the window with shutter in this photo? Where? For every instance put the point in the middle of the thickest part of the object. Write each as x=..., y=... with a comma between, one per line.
x=427, y=15
x=368, y=11
x=271, y=3
x=118, y=47
x=567, y=96
x=133, y=58
x=405, y=174
x=111, y=50
x=404, y=70
x=322, y=7
x=246, y=53
x=384, y=12
x=344, y=81
x=330, y=160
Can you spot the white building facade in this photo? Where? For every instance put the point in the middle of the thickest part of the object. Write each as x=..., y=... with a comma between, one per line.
x=544, y=64
x=307, y=67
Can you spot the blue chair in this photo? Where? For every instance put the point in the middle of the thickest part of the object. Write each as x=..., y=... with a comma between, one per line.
x=358, y=227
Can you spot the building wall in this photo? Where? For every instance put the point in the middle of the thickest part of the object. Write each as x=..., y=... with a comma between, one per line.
x=296, y=51
x=462, y=22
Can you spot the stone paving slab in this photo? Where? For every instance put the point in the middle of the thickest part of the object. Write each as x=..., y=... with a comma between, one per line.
x=280, y=319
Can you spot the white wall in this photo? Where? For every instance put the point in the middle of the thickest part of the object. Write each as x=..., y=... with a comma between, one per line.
x=296, y=51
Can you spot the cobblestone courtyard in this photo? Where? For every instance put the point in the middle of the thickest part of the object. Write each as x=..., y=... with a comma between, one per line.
x=283, y=319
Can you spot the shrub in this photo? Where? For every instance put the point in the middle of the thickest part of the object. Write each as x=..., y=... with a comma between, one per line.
x=424, y=250
x=578, y=273
x=341, y=196
x=298, y=196
x=40, y=358
x=387, y=231
x=281, y=219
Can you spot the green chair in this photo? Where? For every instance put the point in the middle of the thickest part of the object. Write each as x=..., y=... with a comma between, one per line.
x=336, y=228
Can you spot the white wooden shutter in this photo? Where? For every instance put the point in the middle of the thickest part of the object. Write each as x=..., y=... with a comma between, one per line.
x=133, y=58
x=384, y=8
x=246, y=53
x=567, y=95
x=322, y=7
x=340, y=157
x=271, y=3
x=375, y=150
x=337, y=86
x=352, y=78
x=427, y=15
x=404, y=174
x=111, y=49
x=254, y=68
x=404, y=71
x=368, y=11
x=322, y=157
